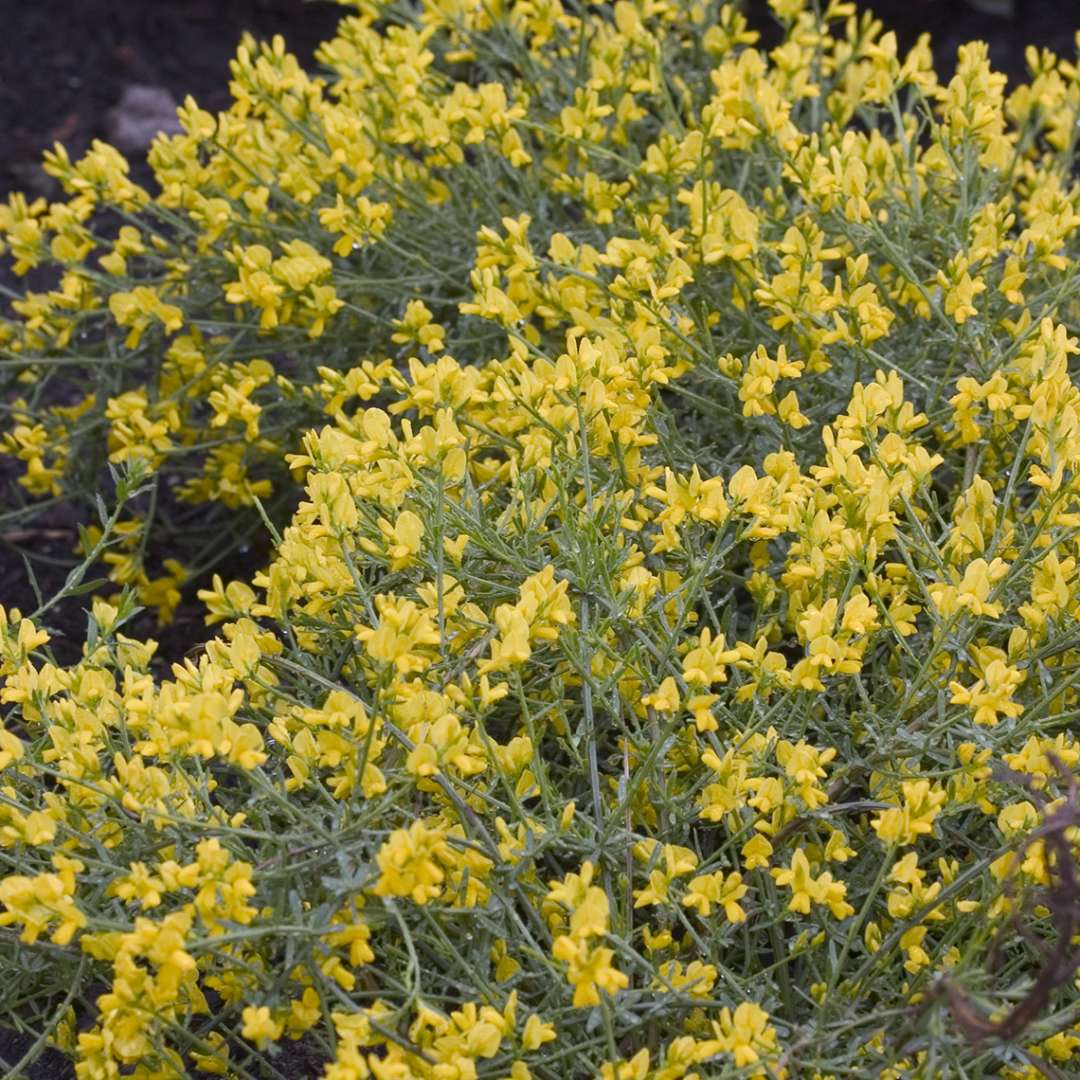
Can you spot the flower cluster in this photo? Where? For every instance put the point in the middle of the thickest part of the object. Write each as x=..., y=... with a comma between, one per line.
x=663, y=665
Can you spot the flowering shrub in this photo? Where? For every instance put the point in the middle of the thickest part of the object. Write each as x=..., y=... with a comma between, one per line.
x=670, y=669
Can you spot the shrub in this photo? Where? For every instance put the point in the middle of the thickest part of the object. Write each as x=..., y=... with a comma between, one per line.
x=670, y=667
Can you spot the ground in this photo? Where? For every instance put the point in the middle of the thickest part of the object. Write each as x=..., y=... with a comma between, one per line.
x=65, y=63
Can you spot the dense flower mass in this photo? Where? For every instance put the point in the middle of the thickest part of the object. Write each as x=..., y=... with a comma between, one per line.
x=666, y=663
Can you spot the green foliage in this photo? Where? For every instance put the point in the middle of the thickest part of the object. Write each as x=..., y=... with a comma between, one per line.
x=669, y=669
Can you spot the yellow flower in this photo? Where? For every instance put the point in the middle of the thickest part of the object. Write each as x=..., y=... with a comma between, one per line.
x=536, y=1032
x=412, y=863
x=756, y=852
x=905, y=824
x=706, y=664
x=589, y=971
x=40, y=901
x=259, y=1025
x=709, y=889
x=806, y=889
x=746, y=1035
x=797, y=877
x=665, y=698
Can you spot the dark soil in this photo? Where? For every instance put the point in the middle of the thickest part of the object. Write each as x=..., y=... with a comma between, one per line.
x=65, y=63
x=1007, y=26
